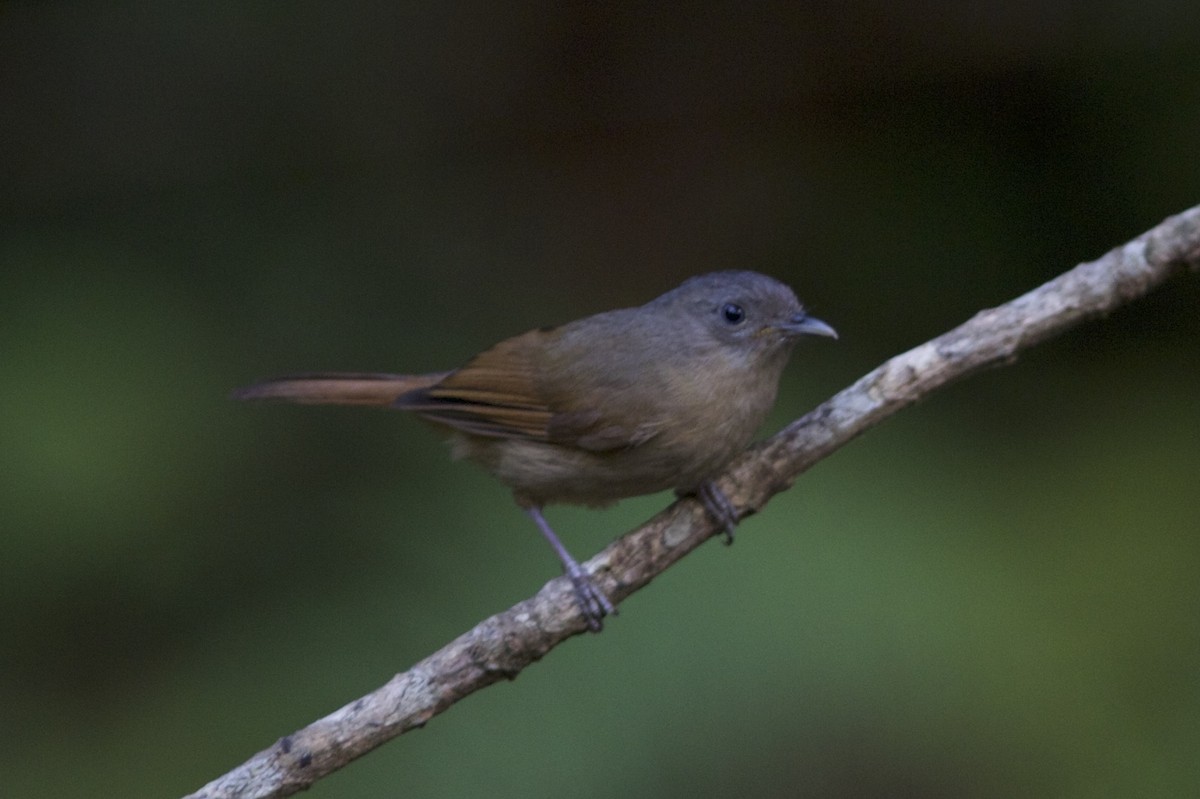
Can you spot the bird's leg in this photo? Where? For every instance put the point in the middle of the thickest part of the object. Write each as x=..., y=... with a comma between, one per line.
x=592, y=601
x=719, y=507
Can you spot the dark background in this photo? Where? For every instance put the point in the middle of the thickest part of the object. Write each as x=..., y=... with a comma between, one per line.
x=994, y=594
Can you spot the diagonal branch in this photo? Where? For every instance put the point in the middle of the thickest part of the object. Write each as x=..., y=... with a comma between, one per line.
x=501, y=646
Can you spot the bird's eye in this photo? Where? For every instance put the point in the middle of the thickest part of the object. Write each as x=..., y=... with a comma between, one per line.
x=732, y=313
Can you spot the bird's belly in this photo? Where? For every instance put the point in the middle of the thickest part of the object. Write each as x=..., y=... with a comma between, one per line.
x=543, y=473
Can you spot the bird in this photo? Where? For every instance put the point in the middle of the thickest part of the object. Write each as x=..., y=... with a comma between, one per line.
x=618, y=404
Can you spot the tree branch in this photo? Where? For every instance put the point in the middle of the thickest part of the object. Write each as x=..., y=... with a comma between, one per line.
x=501, y=646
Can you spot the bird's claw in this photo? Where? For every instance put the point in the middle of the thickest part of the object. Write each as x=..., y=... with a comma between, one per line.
x=592, y=602
x=719, y=507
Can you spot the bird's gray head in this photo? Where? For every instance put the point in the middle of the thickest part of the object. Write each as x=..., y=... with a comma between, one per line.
x=744, y=309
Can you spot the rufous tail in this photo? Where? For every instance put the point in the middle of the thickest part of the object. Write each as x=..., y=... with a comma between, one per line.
x=337, y=388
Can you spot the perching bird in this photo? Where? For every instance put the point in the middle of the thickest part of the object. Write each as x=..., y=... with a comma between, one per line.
x=615, y=405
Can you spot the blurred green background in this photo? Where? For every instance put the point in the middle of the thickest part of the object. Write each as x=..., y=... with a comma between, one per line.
x=994, y=594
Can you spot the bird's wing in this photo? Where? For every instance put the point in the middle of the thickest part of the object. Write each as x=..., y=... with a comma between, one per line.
x=504, y=393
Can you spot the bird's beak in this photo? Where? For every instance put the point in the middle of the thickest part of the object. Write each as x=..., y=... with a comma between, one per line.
x=804, y=325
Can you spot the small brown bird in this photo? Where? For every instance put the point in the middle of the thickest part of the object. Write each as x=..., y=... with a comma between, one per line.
x=615, y=405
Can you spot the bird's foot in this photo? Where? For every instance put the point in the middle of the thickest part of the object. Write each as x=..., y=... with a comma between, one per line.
x=719, y=507
x=592, y=602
